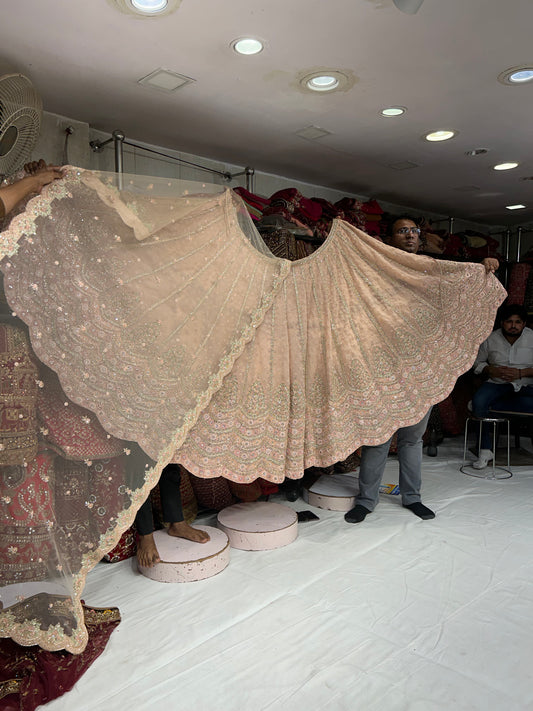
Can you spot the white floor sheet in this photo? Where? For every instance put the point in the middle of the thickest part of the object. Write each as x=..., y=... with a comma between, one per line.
x=393, y=614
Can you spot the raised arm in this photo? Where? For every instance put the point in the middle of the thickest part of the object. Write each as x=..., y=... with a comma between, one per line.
x=40, y=175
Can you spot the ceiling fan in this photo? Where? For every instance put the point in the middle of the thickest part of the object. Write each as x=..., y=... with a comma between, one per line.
x=408, y=6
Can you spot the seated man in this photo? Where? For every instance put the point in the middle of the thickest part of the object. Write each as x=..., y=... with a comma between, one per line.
x=169, y=488
x=405, y=235
x=506, y=359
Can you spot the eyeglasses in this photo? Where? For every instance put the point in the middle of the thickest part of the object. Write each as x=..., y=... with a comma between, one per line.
x=407, y=230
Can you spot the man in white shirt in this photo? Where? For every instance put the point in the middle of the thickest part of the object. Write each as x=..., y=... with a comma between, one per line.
x=506, y=359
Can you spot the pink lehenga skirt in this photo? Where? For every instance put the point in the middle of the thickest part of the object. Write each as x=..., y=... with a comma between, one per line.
x=167, y=318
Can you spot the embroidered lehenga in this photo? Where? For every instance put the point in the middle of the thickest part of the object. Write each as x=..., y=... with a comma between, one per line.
x=166, y=317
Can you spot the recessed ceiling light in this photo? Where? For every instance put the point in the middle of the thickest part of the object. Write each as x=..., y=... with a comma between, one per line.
x=514, y=207
x=146, y=8
x=505, y=166
x=517, y=75
x=411, y=7
x=324, y=82
x=444, y=135
x=247, y=45
x=393, y=111
x=521, y=76
x=149, y=6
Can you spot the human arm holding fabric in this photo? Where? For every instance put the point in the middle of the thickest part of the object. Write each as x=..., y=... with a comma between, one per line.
x=40, y=175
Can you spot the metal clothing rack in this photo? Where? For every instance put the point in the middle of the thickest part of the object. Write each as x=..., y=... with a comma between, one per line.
x=119, y=140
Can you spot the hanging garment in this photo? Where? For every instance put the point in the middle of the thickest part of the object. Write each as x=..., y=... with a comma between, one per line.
x=164, y=314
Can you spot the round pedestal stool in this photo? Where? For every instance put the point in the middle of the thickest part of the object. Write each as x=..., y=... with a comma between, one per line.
x=258, y=526
x=494, y=471
x=334, y=492
x=184, y=561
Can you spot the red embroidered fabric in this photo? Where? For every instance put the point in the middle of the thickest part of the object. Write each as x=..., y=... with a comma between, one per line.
x=31, y=676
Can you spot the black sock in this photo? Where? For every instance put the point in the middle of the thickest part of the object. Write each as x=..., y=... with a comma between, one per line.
x=357, y=514
x=420, y=510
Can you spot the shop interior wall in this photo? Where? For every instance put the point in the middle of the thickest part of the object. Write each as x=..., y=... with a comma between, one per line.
x=57, y=146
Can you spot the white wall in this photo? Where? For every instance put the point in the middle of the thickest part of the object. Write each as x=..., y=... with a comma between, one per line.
x=77, y=151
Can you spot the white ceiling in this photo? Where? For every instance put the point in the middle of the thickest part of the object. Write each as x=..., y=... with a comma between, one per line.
x=85, y=58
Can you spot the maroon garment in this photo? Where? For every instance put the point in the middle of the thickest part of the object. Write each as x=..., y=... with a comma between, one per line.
x=516, y=290
x=31, y=676
x=291, y=203
x=251, y=199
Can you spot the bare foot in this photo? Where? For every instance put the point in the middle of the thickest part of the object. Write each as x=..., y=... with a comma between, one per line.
x=147, y=554
x=181, y=529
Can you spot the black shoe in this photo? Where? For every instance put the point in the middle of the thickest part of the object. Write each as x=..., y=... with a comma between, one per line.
x=420, y=510
x=292, y=489
x=357, y=514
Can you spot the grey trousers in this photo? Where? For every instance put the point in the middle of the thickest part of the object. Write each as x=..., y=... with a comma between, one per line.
x=373, y=460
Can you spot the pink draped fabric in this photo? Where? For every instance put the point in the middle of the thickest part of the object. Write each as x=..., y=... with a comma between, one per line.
x=165, y=316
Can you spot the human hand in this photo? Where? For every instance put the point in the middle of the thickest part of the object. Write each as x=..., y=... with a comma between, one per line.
x=490, y=264
x=504, y=372
x=42, y=173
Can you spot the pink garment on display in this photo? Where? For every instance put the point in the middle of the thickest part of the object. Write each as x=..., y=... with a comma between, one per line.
x=164, y=314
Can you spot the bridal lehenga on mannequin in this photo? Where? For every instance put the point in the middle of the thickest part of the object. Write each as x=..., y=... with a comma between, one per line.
x=157, y=314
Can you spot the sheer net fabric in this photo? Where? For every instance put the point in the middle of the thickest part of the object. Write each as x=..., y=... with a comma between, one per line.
x=166, y=317
x=362, y=340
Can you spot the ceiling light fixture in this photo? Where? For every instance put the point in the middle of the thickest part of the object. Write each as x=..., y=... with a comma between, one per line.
x=247, y=45
x=443, y=135
x=325, y=80
x=408, y=6
x=393, y=111
x=505, y=166
x=514, y=207
x=145, y=8
x=517, y=75
x=149, y=6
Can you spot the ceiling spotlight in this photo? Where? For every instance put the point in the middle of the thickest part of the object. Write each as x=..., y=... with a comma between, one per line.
x=514, y=207
x=324, y=82
x=505, y=166
x=440, y=135
x=145, y=8
x=393, y=111
x=408, y=6
x=521, y=76
x=516, y=75
x=149, y=6
x=247, y=45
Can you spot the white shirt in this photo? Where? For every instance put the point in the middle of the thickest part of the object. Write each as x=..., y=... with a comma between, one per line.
x=497, y=350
